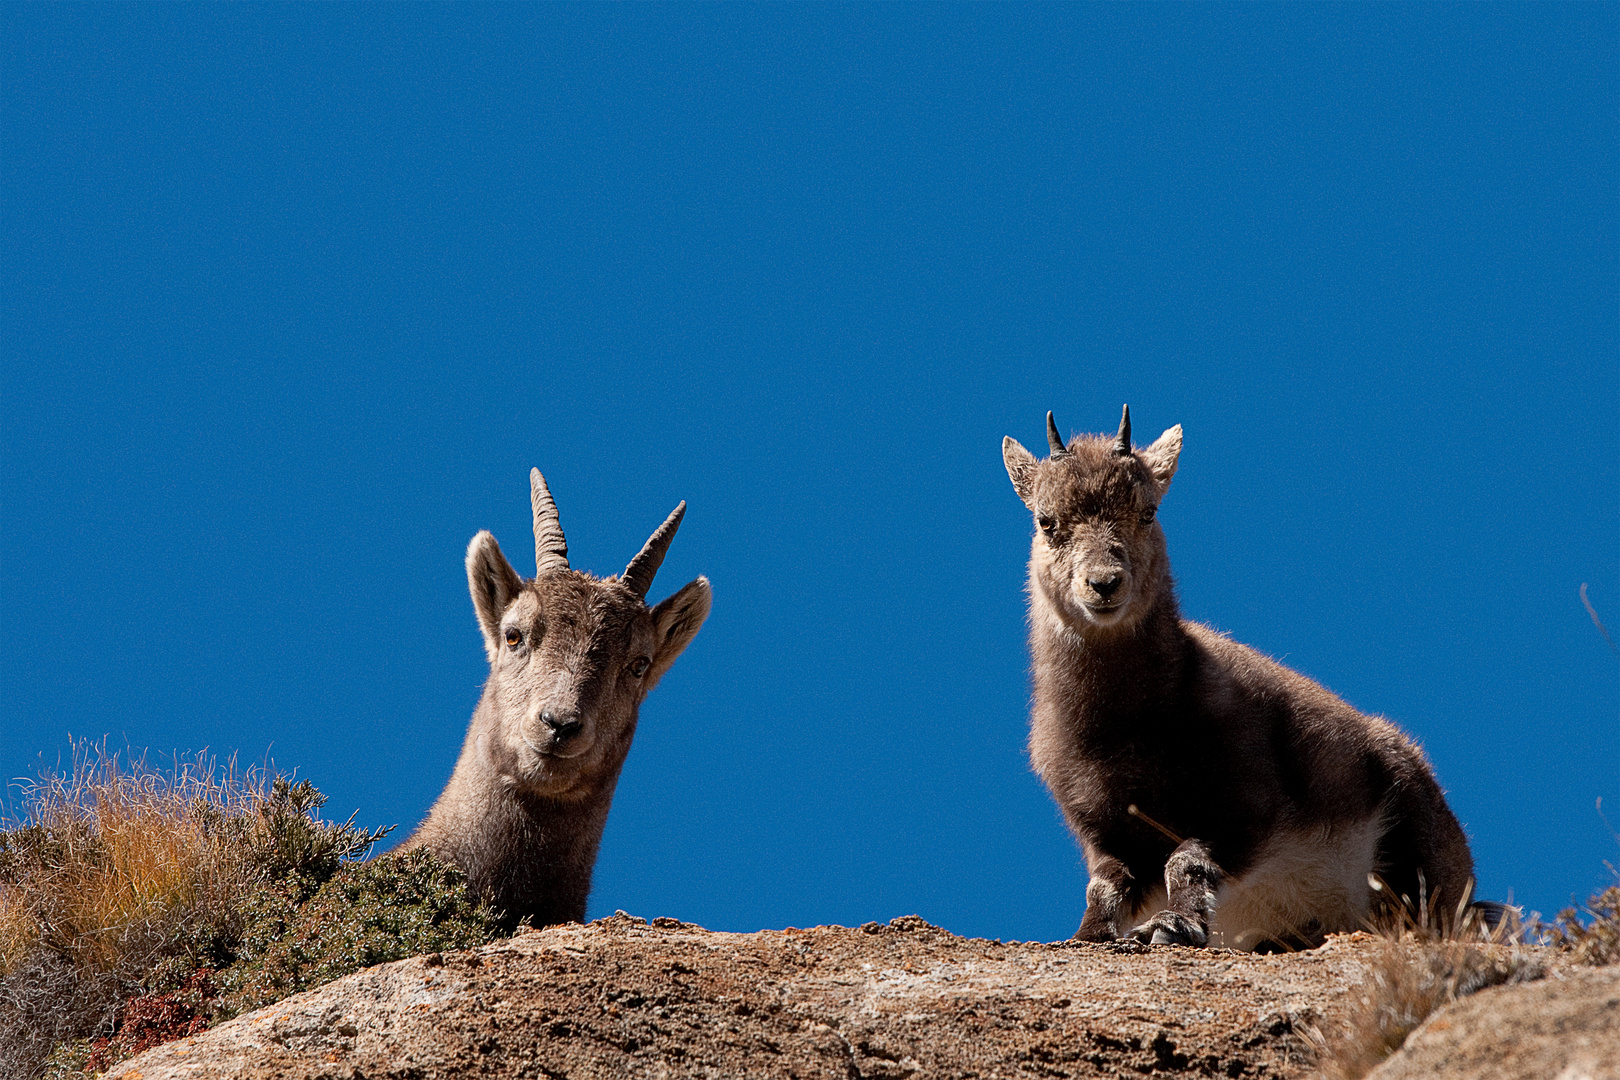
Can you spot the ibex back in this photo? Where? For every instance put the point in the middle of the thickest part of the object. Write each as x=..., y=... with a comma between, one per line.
x=1219, y=797
x=571, y=657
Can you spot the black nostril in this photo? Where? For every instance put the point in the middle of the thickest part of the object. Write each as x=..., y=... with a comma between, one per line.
x=1105, y=587
x=560, y=729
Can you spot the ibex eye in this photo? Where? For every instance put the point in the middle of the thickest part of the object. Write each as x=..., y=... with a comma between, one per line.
x=639, y=666
x=1046, y=523
x=1147, y=515
x=514, y=636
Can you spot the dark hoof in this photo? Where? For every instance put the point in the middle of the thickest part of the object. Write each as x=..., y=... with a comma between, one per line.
x=1170, y=928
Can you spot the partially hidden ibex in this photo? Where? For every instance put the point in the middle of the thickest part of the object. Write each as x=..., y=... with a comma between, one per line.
x=571, y=657
x=1219, y=797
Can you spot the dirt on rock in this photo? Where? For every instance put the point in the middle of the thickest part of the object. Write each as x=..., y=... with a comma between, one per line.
x=624, y=998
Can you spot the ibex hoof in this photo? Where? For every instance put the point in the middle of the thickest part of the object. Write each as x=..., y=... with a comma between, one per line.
x=1170, y=928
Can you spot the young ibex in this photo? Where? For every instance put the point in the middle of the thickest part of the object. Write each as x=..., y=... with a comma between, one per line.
x=1219, y=797
x=570, y=658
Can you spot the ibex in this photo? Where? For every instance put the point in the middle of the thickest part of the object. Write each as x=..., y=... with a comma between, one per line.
x=571, y=657
x=1219, y=798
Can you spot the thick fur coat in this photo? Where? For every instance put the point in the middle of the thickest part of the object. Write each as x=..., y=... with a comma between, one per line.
x=1219, y=797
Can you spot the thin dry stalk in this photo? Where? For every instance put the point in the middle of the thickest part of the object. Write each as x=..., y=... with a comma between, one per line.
x=1594, y=941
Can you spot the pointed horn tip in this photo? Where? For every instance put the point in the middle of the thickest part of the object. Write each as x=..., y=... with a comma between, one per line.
x=1053, y=439
x=639, y=574
x=1122, y=441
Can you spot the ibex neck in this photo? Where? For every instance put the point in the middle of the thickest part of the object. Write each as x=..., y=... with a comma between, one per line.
x=530, y=855
x=1108, y=676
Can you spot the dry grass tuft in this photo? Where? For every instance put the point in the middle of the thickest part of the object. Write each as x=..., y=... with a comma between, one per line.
x=119, y=883
x=1596, y=942
x=1420, y=969
x=112, y=862
x=113, y=870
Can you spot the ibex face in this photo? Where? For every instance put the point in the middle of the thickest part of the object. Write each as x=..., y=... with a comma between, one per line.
x=1098, y=556
x=571, y=656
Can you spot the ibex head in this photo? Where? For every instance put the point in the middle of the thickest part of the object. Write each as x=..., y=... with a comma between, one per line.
x=571, y=655
x=1098, y=557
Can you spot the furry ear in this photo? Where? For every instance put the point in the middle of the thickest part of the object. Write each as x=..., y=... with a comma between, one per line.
x=493, y=584
x=1020, y=468
x=676, y=621
x=1160, y=458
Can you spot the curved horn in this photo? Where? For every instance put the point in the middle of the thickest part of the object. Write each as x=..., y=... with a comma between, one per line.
x=1053, y=439
x=550, y=549
x=639, y=574
x=1122, y=441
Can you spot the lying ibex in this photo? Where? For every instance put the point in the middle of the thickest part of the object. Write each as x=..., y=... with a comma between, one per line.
x=570, y=658
x=1219, y=797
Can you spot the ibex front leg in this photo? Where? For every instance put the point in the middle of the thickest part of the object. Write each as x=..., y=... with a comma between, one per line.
x=1190, y=877
x=1111, y=893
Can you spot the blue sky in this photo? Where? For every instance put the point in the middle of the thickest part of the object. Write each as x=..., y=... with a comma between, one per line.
x=294, y=296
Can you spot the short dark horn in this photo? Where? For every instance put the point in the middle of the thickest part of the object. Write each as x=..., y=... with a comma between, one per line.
x=639, y=574
x=1053, y=439
x=1122, y=441
x=550, y=549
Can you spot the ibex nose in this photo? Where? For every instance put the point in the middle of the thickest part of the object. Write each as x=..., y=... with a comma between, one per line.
x=1105, y=586
x=561, y=730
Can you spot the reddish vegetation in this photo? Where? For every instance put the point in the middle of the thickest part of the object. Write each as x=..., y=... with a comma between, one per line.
x=155, y=1019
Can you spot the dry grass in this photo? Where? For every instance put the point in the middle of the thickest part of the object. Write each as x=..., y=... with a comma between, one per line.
x=1419, y=970
x=119, y=882
x=1595, y=942
x=113, y=870
x=112, y=862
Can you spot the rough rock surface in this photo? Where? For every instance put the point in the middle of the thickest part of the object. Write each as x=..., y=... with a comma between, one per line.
x=622, y=998
x=1565, y=1027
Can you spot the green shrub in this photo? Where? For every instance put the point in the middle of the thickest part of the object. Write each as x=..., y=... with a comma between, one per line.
x=393, y=907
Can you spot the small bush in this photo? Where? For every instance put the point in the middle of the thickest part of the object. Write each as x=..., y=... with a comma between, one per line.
x=123, y=889
x=153, y=1019
x=388, y=909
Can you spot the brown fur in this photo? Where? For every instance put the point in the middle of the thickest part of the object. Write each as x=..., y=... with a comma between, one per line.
x=571, y=658
x=1194, y=771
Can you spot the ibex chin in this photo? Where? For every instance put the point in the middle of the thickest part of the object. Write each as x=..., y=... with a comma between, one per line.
x=1219, y=797
x=570, y=658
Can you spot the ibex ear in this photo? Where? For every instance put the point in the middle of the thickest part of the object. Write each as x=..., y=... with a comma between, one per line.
x=676, y=622
x=1160, y=458
x=1020, y=467
x=493, y=584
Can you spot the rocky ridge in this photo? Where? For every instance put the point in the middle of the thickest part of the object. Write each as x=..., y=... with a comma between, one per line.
x=624, y=998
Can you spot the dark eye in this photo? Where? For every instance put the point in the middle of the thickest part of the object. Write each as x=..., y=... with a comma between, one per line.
x=639, y=666
x=514, y=636
x=1147, y=515
x=1046, y=523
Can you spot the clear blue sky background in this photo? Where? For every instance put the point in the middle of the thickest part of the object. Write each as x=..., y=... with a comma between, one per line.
x=294, y=296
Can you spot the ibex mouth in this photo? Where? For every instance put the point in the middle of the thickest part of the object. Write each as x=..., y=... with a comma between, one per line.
x=557, y=749
x=1103, y=613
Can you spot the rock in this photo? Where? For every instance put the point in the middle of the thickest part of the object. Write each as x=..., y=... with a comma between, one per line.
x=624, y=998
x=1565, y=1027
